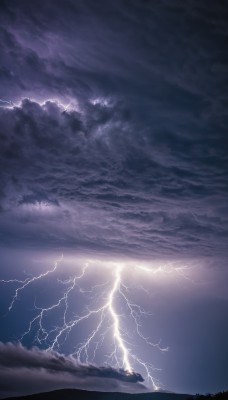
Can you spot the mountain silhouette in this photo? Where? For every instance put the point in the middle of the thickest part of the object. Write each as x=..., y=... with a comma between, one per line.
x=75, y=394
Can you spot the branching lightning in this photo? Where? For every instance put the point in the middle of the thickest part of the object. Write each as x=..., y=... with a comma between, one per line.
x=27, y=282
x=5, y=103
x=102, y=304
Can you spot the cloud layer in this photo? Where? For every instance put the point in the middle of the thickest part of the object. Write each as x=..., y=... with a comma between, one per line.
x=26, y=371
x=137, y=162
x=99, y=178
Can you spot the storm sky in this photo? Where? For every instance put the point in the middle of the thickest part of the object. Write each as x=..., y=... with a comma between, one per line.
x=113, y=146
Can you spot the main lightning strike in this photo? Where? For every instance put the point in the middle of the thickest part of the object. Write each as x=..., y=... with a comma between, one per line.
x=116, y=323
x=109, y=322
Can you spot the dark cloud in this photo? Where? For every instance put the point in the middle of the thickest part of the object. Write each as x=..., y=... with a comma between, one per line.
x=29, y=371
x=167, y=54
x=154, y=191
x=137, y=163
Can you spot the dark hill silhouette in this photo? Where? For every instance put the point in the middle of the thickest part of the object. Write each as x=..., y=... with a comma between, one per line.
x=217, y=396
x=75, y=394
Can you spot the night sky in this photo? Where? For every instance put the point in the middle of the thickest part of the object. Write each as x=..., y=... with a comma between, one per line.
x=113, y=168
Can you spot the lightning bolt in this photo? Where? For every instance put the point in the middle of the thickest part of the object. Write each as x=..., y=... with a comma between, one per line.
x=5, y=103
x=116, y=323
x=27, y=282
x=104, y=301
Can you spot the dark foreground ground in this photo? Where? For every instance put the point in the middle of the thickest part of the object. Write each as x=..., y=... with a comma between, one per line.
x=74, y=394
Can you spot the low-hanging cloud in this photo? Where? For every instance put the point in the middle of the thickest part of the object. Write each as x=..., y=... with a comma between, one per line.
x=31, y=370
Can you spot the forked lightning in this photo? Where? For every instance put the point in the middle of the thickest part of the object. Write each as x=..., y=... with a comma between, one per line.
x=109, y=324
